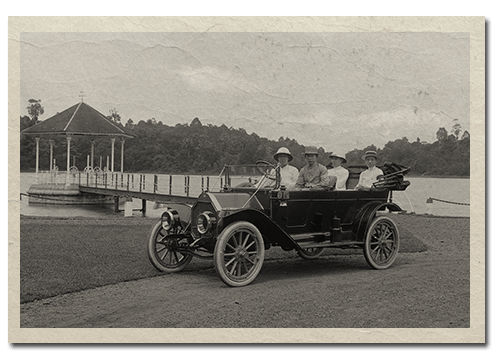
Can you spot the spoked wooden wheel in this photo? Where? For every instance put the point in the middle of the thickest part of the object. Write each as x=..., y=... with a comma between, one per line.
x=163, y=249
x=381, y=246
x=239, y=254
x=310, y=253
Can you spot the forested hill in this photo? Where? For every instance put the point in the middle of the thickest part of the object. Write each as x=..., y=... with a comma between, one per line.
x=198, y=148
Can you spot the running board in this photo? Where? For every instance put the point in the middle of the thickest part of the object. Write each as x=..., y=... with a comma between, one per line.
x=310, y=236
x=328, y=244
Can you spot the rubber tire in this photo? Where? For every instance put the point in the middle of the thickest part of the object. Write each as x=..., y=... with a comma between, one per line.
x=220, y=254
x=367, y=246
x=156, y=259
x=305, y=254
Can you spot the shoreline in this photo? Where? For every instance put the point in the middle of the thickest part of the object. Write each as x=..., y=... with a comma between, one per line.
x=410, y=175
x=149, y=219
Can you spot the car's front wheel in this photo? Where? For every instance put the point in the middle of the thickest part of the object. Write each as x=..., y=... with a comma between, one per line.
x=165, y=248
x=239, y=254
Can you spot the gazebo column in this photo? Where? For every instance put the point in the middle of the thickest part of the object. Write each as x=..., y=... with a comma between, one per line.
x=113, y=154
x=121, y=163
x=92, y=142
x=51, y=143
x=68, y=138
x=37, y=139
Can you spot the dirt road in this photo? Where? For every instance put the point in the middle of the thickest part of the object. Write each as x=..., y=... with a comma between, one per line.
x=427, y=290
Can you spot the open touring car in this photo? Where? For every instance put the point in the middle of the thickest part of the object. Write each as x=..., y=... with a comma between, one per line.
x=237, y=224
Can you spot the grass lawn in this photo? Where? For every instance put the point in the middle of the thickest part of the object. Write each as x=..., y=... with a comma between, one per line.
x=70, y=256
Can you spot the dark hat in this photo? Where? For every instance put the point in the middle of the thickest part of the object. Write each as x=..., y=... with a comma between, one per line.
x=370, y=154
x=311, y=150
x=283, y=151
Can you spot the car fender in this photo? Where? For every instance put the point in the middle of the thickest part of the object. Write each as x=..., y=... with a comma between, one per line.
x=366, y=215
x=271, y=232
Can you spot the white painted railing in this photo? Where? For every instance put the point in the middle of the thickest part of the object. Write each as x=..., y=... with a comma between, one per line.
x=185, y=185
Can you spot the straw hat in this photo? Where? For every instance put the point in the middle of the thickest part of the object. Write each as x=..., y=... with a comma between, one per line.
x=370, y=154
x=311, y=150
x=336, y=155
x=283, y=151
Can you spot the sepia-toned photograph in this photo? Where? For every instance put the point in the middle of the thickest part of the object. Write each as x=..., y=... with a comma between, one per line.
x=270, y=185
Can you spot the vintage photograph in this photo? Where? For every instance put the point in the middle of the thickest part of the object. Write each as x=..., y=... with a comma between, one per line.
x=258, y=179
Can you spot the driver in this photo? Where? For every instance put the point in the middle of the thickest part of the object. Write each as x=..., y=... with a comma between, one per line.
x=288, y=173
x=312, y=175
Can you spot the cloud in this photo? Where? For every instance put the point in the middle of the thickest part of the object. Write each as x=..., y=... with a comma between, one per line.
x=208, y=78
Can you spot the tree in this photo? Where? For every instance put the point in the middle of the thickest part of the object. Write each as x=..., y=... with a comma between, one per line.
x=456, y=129
x=26, y=122
x=441, y=134
x=195, y=123
x=130, y=123
x=114, y=116
x=35, y=109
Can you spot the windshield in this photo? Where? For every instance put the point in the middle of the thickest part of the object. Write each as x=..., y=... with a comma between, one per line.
x=261, y=175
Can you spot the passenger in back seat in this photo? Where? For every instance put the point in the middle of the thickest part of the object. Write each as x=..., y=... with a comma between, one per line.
x=368, y=177
x=338, y=175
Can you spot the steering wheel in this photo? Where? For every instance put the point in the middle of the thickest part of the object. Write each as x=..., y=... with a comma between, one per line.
x=266, y=169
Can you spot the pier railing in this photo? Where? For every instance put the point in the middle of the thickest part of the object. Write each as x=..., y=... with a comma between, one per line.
x=181, y=185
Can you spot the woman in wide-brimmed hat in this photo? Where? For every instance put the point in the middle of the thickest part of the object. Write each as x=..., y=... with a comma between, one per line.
x=368, y=177
x=338, y=175
x=312, y=175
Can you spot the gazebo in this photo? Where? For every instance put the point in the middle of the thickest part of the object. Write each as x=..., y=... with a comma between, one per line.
x=78, y=120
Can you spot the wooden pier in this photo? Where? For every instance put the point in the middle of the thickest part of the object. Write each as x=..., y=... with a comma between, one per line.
x=183, y=189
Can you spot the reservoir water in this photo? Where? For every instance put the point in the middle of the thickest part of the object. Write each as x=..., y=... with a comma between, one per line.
x=455, y=191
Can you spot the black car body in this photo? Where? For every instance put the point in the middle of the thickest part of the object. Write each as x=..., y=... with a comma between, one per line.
x=237, y=224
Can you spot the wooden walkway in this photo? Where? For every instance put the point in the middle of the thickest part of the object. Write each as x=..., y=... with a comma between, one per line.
x=161, y=188
x=146, y=187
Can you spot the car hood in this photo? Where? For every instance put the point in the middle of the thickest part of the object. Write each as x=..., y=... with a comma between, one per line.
x=231, y=201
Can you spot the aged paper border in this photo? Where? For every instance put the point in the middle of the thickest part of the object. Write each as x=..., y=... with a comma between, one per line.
x=473, y=25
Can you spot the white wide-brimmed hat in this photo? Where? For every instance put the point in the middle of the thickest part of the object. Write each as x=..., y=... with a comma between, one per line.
x=283, y=151
x=370, y=154
x=336, y=155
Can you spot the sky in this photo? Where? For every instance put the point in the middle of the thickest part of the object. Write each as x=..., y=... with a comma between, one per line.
x=338, y=91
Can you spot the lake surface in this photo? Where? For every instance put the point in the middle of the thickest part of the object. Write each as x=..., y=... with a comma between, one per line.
x=414, y=199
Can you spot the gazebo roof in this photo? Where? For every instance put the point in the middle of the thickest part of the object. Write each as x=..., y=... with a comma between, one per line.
x=78, y=120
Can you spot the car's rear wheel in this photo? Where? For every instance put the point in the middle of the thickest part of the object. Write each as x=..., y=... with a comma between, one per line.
x=239, y=254
x=163, y=248
x=310, y=253
x=381, y=245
